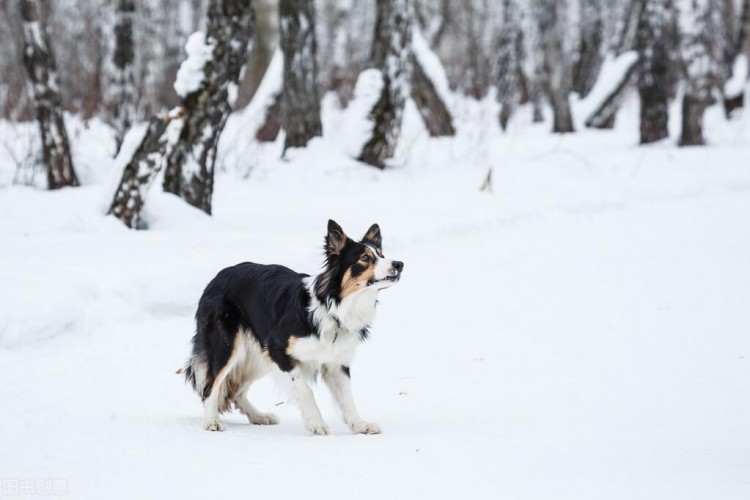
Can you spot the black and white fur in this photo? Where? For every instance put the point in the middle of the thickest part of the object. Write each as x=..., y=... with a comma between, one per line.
x=254, y=320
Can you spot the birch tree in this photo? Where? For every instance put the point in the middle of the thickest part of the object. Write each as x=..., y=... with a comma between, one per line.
x=140, y=167
x=390, y=55
x=531, y=59
x=590, y=53
x=653, y=68
x=122, y=89
x=552, y=16
x=508, y=82
x=300, y=103
x=208, y=83
x=738, y=43
x=185, y=140
x=700, y=27
x=340, y=73
x=429, y=88
x=743, y=33
x=40, y=68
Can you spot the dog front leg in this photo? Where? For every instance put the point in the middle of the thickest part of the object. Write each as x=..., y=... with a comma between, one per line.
x=302, y=394
x=338, y=380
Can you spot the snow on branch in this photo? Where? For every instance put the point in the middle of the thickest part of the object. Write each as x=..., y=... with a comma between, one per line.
x=191, y=74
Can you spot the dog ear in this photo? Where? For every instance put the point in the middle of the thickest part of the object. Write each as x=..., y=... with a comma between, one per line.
x=373, y=237
x=335, y=239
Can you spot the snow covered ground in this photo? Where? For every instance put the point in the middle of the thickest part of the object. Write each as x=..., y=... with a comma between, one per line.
x=582, y=332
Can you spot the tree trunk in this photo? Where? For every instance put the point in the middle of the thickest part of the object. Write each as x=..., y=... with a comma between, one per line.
x=190, y=168
x=536, y=103
x=604, y=115
x=743, y=34
x=626, y=30
x=340, y=74
x=531, y=60
x=40, y=68
x=692, y=121
x=508, y=81
x=143, y=165
x=261, y=118
x=435, y=115
x=300, y=103
x=700, y=48
x=424, y=91
x=653, y=69
x=271, y=126
x=551, y=17
x=734, y=98
x=390, y=55
x=590, y=49
x=122, y=87
x=433, y=24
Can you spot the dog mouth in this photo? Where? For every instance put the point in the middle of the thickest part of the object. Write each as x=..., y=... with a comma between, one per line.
x=388, y=279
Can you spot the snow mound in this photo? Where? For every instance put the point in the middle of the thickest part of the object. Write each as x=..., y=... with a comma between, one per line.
x=614, y=69
x=431, y=65
x=357, y=123
x=736, y=84
x=130, y=143
x=237, y=150
x=190, y=76
x=168, y=212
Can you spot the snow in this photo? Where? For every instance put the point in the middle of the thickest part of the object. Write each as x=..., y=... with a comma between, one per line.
x=190, y=76
x=614, y=68
x=358, y=124
x=431, y=64
x=580, y=333
x=20, y=146
x=232, y=91
x=736, y=84
x=33, y=34
x=248, y=120
x=130, y=143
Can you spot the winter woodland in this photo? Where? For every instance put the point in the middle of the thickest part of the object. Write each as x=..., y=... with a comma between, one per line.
x=567, y=181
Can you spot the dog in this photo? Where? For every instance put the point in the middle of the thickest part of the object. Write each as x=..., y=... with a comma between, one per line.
x=254, y=320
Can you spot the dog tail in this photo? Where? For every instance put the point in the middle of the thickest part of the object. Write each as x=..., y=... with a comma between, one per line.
x=196, y=374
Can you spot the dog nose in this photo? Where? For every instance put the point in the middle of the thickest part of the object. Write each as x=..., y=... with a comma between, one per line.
x=398, y=265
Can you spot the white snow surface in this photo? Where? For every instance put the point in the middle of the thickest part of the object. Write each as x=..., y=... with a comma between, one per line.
x=579, y=333
x=191, y=74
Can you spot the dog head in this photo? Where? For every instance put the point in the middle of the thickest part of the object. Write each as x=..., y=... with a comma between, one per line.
x=354, y=266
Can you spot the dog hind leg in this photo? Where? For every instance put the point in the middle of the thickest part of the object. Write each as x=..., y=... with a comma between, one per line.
x=253, y=415
x=211, y=420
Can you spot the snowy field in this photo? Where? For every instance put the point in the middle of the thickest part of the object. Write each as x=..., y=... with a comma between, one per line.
x=582, y=332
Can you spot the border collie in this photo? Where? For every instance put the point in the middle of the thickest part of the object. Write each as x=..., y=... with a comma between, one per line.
x=255, y=319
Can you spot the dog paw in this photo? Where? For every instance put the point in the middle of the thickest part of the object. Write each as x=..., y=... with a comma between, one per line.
x=264, y=419
x=363, y=427
x=213, y=424
x=317, y=428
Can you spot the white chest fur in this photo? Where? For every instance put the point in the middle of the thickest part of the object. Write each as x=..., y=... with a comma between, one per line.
x=339, y=329
x=317, y=351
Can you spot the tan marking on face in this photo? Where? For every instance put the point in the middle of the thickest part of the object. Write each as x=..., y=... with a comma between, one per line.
x=352, y=284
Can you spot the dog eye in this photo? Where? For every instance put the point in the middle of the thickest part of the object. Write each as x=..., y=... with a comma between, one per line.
x=365, y=258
